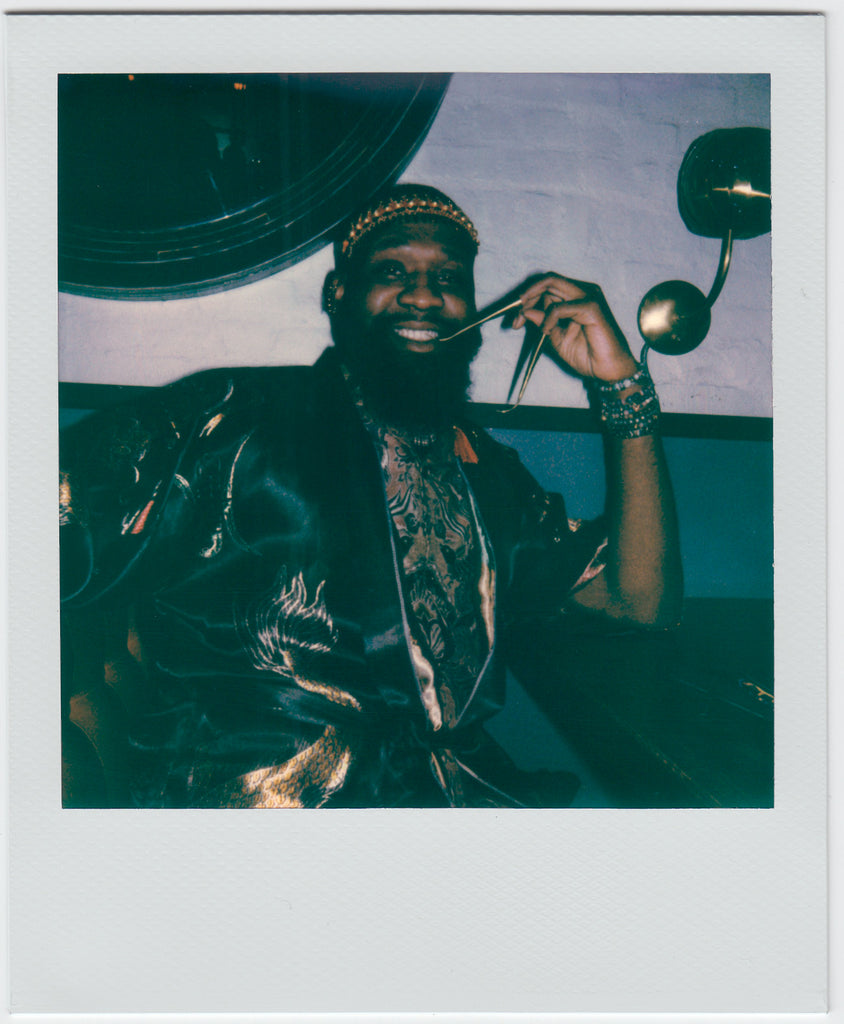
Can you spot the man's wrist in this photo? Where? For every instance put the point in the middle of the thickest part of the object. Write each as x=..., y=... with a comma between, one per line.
x=627, y=407
x=620, y=371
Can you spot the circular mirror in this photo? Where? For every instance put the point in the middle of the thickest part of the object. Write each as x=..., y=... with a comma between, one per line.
x=172, y=185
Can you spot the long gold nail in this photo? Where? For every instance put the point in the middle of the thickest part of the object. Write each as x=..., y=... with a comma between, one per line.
x=528, y=372
x=489, y=316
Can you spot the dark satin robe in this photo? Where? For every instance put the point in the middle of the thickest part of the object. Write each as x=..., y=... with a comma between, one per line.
x=239, y=516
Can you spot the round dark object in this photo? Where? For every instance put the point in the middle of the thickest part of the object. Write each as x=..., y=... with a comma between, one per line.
x=172, y=185
x=724, y=183
x=674, y=317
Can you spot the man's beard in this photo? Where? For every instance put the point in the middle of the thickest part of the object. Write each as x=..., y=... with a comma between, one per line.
x=422, y=392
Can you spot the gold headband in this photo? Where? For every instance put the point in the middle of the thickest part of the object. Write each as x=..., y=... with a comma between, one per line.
x=406, y=206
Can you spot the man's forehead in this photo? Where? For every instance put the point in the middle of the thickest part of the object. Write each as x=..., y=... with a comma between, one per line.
x=431, y=231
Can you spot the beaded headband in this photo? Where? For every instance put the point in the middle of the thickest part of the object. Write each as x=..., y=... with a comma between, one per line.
x=401, y=203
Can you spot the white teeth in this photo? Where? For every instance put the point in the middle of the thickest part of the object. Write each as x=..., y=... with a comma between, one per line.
x=416, y=335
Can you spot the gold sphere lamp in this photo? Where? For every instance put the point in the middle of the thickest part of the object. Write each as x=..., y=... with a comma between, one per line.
x=723, y=191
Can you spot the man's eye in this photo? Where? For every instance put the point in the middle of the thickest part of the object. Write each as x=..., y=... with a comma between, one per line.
x=450, y=278
x=389, y=272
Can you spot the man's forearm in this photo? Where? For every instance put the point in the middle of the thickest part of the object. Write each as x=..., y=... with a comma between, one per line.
x=643, y=579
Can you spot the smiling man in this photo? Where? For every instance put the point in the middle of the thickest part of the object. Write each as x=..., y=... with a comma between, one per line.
x=315, y=576
x=396, y=297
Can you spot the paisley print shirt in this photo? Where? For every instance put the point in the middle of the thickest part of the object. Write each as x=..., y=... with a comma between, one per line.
x=447, y=577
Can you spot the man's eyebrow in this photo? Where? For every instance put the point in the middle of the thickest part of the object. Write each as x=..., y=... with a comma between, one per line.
x=386, y=245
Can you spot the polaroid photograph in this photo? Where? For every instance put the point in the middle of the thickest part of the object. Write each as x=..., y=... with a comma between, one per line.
x=439, y=446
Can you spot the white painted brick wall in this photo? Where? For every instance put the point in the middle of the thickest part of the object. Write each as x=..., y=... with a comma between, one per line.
x=575, y=173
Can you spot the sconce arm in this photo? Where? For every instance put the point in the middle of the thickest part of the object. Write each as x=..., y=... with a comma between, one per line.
x=723, y=267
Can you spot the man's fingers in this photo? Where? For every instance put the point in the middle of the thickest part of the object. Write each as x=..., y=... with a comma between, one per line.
x=548, y=319
x=555, y=287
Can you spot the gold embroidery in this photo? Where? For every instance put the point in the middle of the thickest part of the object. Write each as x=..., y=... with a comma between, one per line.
x=306, y=780
x=65, y=500
x=142, y=519
x=134, y=522
x=211, y=424
x=281, y=632
x=449, y=776
x=284, y=627
x=216, y=544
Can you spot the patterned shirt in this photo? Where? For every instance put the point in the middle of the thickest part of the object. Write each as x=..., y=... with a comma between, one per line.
x=446, y=576
x=447, y=580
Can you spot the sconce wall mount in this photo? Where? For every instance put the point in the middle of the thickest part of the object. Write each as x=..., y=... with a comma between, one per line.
x=723, y=191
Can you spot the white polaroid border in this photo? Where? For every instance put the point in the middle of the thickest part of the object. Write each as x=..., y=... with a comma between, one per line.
x=580, y=914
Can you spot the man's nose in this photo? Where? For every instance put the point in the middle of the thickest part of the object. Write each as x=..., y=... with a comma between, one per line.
x=420, y=294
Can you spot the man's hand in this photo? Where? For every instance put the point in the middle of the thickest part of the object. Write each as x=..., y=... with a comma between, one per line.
x=578, y=322
x=643, y=579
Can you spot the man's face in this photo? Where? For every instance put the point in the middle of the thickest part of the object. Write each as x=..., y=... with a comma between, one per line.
x=411, y=287
x=402, y=297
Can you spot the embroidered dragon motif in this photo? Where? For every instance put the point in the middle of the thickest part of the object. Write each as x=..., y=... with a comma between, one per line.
x=282, y=629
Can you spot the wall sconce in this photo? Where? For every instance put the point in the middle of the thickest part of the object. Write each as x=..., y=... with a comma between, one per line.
x=723, y=191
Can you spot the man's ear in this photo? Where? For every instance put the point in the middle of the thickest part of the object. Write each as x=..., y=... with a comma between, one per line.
x=333, y=290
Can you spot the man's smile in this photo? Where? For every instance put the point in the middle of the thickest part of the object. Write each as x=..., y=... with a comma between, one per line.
x=418, y=333
x=422, y=338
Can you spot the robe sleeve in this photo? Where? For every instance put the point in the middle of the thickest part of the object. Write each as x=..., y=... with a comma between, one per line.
x=122, y=500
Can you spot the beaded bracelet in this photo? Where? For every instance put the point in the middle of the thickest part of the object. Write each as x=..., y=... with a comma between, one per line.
x=640, y=375
x=635, y=415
